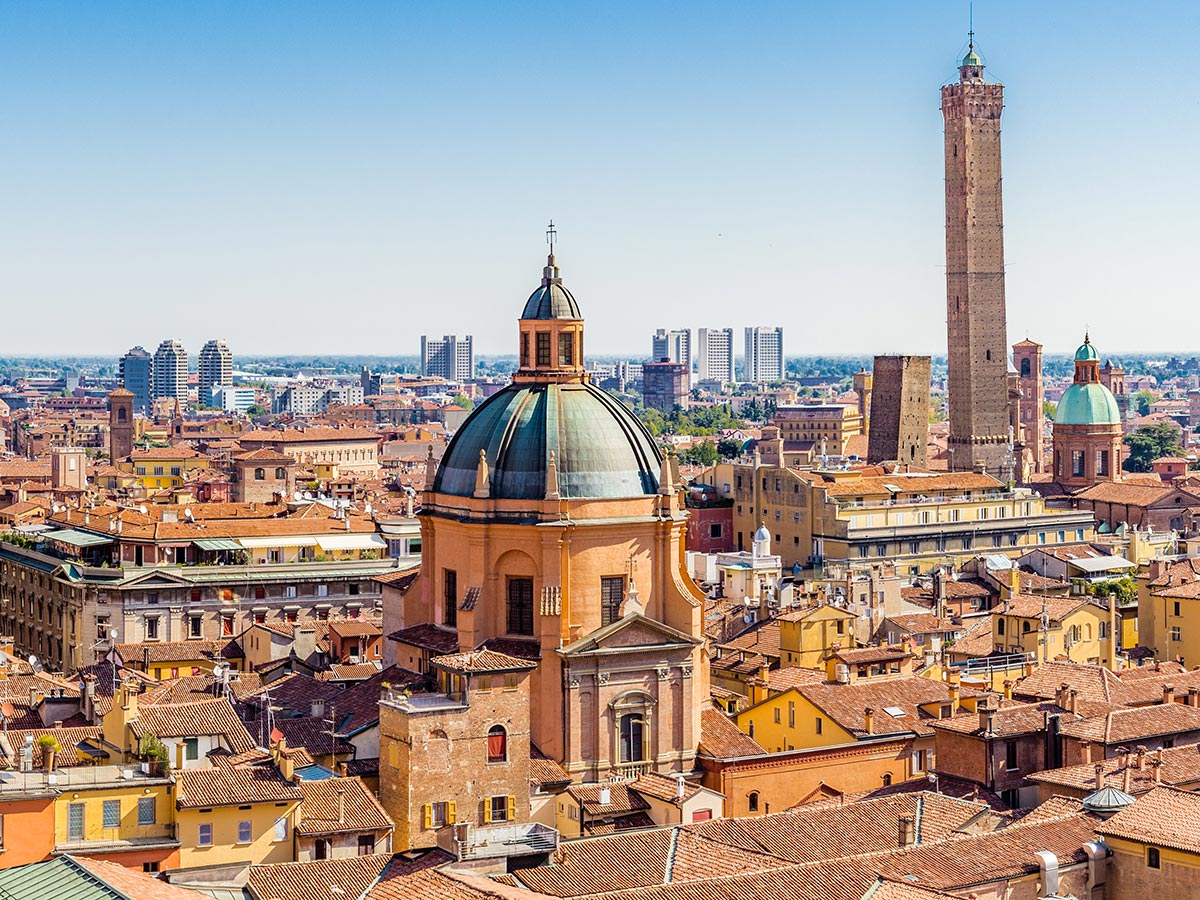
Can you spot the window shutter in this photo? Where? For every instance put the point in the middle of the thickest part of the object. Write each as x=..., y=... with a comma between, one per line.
x=512, y=808
x=487, y=810
x=451, y=812
x=426, y=816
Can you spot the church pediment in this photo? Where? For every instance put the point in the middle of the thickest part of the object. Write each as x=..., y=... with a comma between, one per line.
x=633, y=631
x=157, y=579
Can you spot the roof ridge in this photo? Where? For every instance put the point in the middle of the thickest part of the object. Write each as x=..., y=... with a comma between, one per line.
x=919, y=817
x=669, y=870
x=89, y=874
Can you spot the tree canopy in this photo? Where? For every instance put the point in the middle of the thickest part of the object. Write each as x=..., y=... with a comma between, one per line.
x=1151, y=442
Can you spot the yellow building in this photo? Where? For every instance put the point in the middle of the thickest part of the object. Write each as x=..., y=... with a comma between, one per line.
x=919, y=520
x=115, y=813
x=1168, y=610
x=1154, y=852
x=234, y=816
x=162, y=468
x=807, y=636
x=1047, y=628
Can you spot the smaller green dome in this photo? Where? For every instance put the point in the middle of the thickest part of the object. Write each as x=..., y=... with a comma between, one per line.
x=972, y=58
x=1087, y=404
x=1086, y=352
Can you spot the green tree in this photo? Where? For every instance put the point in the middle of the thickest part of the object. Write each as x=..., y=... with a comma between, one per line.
x=1049, y=409
x=702, y=454
x=1149, y=443
x=1125, y=589
x=1143, y=399
x=464, y=401
x=729, y=449
x=256, y=409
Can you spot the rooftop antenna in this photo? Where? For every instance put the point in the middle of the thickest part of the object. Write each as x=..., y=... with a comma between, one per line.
x=971, y=25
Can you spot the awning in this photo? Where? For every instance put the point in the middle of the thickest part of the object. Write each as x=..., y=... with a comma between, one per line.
x=1093, y=565
x=282, y=541
x=352, y=542
x=76, y=538
x=217, y=544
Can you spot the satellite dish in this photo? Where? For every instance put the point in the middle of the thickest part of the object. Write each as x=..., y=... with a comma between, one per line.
x=143, y=509
x=308, y=495
x=35, y=664
x=297, y=496
x=112, y=634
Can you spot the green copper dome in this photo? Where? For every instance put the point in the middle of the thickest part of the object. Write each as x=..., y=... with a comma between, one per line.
x=972, y=58
x=1087, y=404
x=600, y=448
x=1086, y=352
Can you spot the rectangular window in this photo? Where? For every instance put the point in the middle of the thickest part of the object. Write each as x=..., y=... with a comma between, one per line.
x=820, y=725
x=1176, y=633
x=450, y=596
x=524, y=349
x=778, y=715
x=289, y=592
x=244, y=832
x=147, y=812
x=227, y=626
x=1153, y=858
x=75, y=821
x=500, y=809
x=1010, y=755
x=322, y=590
x=791, y=714
x=112, y=813
x=1176, y=606
x=1101, y=462
x=191, y=748
x=714, y=530
x=260, y=593
x=152, y=629
x=437, y=815
x=366, y=844
x=281, y=830
x=543, y=348
x=520, y=606
x=204, y=835
x=195, y=627
x=612, y=592
x=1077, y=463
x=566, y=349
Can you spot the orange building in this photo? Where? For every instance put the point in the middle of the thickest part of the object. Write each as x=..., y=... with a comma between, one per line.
x=26, y=822
x=554, y=530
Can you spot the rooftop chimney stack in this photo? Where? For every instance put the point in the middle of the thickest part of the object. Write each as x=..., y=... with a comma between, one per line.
x=1168, y=693
x=908, y=831
x=605, y=795
x=1099, y=776
x=869, y=720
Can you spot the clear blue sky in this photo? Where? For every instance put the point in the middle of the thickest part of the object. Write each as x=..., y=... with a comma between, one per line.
x=342, y=176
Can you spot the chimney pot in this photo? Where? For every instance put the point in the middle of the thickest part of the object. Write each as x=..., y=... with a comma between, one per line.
x=1141, y=758
x=1099, y=776
x=869, y=720
x=1085, y=748
x=1168, y=693
x=908, y=831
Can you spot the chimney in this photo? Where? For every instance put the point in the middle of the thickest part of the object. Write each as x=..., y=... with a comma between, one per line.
x=1099, y=776
x=1156, y=765
x=341, y=807
x=1073, y=701
x=1085, y=747
x=1193, y=696
x=869, y=720
x=908, y=831
x=317, y=709
x=1014, y=580
x=955, y=697
x=1029, y=667
x=1008, y=688
x=1141, y=758
x=987, y=716
x=680, y=787
x=1127, y=781
x=1168, y=693
x=605, y=795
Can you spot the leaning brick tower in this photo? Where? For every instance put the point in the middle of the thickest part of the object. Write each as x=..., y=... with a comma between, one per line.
x=975, y=316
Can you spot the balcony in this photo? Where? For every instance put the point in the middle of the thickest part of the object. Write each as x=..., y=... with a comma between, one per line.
x=466, y=841
x=631, y=770
x=424, y=702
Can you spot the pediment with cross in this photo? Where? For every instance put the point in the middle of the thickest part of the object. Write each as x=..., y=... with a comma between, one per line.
x=633, y=633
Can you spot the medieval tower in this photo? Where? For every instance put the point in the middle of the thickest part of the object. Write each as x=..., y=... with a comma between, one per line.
x=975, y=317
x=900, y=411
x=1029, y=419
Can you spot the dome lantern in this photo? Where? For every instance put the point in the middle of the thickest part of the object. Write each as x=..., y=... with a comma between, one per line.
x=551, y=329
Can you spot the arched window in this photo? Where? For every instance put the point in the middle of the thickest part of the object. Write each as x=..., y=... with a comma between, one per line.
x=1025, y=368
x=887, y=778
x=752, y=801
x=633, y=737
x=999, y=626
x=497, y=746
x=260, y=474
x=1025, y=627
x=281, y=473
x=120, y=414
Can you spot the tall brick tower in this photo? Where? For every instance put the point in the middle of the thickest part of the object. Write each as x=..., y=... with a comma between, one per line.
x=975, y=317
x=1029, y=424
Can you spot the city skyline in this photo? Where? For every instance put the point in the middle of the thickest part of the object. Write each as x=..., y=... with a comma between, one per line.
x=297, y=166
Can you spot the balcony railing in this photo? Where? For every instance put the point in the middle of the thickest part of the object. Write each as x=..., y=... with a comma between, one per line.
x=631, y=770
x=498, y=841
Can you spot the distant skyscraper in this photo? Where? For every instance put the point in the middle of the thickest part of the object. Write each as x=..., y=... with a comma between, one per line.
x=764, y=354
x=975, y=315
x=451, y=357
x=664, y=386
x=714, y=354
x=137, y=377
x=216, y=369
x=673, y=346
x=171, y=370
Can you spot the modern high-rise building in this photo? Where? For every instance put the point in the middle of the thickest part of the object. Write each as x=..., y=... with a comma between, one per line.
x=714, y=354
x=171, y=370
x=764, y=354
x=664, y=386
x=216, y=369
x=975, y=312
x=137, y=377
x=451, y=357
x=673, y=346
